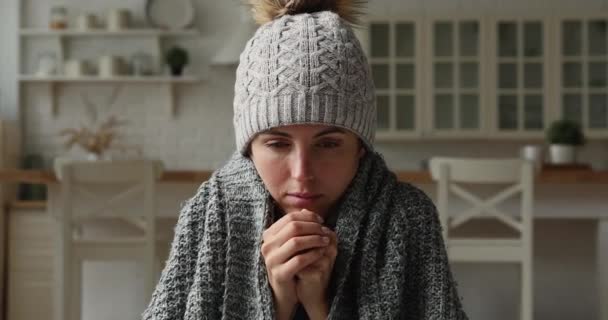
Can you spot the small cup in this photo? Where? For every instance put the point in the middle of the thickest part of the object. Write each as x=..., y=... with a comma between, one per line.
x=118, y=19
x=108, y=66
x=533, y=153
x=86, y=21
x=47, y=64
x=74, y=68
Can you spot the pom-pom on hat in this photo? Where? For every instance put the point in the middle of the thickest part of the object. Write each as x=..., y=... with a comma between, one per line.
x=304, y=65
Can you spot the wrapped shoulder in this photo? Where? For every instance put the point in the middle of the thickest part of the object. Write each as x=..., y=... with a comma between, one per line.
x=413, y=202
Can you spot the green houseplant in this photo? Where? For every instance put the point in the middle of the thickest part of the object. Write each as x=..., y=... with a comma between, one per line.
x=177, y=58
x=564, y=136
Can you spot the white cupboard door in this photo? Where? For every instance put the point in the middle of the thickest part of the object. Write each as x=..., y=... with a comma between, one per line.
x=395, y=56
x=455, y=84
x=583, y=79
x=520, y=90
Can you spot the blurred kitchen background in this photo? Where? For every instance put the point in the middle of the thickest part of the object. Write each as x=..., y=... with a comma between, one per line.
x=467, y=78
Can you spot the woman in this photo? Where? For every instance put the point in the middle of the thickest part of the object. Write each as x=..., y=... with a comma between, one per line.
x=305, y=220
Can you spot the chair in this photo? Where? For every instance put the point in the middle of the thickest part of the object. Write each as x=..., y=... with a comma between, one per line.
x=518, y=175
x=94, y=193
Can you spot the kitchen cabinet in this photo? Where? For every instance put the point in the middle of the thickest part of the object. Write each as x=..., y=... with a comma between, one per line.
x=455, y=105
x=519, y=70
x=582, y=63
x=9, y=152
x=488, y=77
x=395, y=55
x=30, y=265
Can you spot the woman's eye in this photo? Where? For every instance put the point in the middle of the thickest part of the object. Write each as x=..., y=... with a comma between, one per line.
x=329, y=144
x=277, y=144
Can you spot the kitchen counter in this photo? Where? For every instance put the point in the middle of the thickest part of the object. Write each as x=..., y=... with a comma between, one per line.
x=549, y=176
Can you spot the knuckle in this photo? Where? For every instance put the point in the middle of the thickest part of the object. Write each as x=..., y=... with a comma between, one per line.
x=280, y=275
x=290, y=217
x=296, y=242
x=313, y=216
x=265, y=249
x=295, y=227
x=300, y=259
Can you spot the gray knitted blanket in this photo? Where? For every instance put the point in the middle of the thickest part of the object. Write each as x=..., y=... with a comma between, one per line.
x=391, y=261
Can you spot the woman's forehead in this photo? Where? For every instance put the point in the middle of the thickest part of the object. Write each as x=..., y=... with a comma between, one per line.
x=304, y=129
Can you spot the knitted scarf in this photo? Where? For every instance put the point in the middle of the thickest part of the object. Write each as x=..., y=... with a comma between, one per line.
x=391, y=261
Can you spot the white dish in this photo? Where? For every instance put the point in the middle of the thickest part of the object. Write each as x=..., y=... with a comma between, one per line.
x=170, y=14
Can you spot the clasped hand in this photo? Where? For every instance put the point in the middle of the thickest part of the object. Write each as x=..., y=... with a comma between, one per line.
x=299, y=253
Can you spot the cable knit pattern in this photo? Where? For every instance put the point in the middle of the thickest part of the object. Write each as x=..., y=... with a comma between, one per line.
x=304, y=68
x=391, y=261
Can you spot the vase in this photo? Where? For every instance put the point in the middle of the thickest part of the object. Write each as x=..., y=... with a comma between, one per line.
x=92, y=156
x=562, y=154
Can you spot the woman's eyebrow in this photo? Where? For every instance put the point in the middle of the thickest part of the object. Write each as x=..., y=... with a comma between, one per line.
x=287, y=135
x=276, y=133
x=330, y=130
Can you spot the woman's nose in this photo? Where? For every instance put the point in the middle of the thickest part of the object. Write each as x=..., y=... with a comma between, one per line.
x=301, y=165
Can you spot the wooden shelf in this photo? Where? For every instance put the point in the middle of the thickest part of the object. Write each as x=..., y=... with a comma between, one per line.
x=168, y=82
x=27, y=204
x=62, y=38
x=118, y=79
x=41, y=32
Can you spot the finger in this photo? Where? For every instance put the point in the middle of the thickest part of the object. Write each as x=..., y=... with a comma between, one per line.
x=325, y=264
x=292, y=230
x=301, y=261
x=332, y=249
x=303, y=215
x=317, y=266
x=295, y=246
x=299, y=228
x=318, y=269
x=308, y=272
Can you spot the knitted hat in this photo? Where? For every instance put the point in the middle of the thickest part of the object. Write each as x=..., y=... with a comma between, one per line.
x=304, y=65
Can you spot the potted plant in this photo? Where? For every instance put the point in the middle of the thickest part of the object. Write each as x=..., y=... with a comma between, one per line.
x=177, y=58
x=96, y=137
x=564, y=136
x=95, y=141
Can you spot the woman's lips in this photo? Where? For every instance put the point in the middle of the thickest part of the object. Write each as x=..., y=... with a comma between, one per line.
x=302, y=199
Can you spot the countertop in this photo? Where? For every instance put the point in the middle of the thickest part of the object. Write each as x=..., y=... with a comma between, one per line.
x=547, y=176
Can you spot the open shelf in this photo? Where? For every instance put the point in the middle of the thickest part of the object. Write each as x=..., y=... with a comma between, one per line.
x=119, y=79
x=40, y=32
x=27, y=205
x=168, y=82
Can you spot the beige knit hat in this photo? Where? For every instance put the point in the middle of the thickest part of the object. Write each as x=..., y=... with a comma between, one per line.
x=304, y=65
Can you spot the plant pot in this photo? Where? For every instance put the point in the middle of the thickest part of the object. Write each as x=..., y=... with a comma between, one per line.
x=176, y=70
x=562, y=154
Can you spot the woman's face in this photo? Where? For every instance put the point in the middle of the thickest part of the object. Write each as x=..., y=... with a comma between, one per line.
x=306, y=166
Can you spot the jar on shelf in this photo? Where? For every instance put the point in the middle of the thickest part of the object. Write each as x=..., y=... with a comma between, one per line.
x=47, y=64
x=141, y=64
x=75, y=68
x=58, y=18
x=86, y=21
x=109, y=66
x=118, y=19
